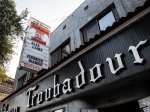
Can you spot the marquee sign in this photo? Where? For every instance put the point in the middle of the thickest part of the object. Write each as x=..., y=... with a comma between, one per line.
x=80, y=80
x=36, y=46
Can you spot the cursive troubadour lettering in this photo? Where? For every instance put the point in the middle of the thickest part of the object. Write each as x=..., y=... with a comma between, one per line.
x=95, y=73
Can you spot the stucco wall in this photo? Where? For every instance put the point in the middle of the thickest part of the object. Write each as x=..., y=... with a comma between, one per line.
x=81, y=17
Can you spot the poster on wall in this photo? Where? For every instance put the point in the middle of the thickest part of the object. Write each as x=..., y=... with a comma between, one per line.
x=35, y=50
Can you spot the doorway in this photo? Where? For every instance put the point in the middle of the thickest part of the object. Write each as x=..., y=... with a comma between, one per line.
x=127, y=107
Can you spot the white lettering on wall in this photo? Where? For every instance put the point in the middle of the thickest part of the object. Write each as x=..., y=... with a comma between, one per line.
x=80, y=76
x=56, y=87
x=94, y=78
x=66, y=87
x=109, y=60
x=135, y=51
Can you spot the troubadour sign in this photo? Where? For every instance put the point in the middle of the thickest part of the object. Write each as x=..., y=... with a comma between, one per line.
x=66, y=87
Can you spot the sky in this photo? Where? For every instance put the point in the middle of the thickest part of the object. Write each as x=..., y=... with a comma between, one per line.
x=50, y=12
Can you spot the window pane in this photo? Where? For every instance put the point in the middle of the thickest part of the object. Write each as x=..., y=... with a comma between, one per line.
x=90, y=31
x=66, y=50
x=21, y=81
x=106, y=21
x=56, y=56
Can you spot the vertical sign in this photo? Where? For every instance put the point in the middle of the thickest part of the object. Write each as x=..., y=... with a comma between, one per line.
x=36, y=46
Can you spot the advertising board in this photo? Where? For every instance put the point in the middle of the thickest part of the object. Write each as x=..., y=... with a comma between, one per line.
x=36, y=46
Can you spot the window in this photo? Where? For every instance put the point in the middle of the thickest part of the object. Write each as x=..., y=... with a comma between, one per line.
x=90, y=31
x=65, y=50
x=100, y=23
x=61, y=52
x=61, y=110
x=108, y=19
x=22, y=81
x=32, y=75
x=55, y=56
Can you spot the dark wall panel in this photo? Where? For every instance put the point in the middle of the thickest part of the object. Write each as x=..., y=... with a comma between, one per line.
x=119, y=43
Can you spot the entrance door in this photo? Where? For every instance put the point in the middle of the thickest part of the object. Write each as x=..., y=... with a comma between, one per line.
x=128, y=107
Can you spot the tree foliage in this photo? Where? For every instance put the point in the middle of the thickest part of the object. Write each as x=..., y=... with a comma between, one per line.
x=3, y=76
x=11, y=30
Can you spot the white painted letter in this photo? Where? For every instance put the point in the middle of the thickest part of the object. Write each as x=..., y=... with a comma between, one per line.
x=135, y=52
x=40, y=97
x=56, y=88
x=48, y=94
x=109, y=60
x=67, y=86
x=30, y=92
x=80, y=75
x=99, y=74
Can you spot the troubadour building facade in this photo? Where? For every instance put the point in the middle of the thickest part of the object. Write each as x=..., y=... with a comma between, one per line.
x=99, y=61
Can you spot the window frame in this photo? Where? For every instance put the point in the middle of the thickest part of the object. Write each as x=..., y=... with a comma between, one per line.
x=59, y=49
x=65, y=44
x=88, y=26
x=96, y=19
x=111, y=9
x=20, y=84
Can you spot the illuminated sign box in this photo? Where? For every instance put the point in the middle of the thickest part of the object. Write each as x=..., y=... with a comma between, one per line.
x=35, y=54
